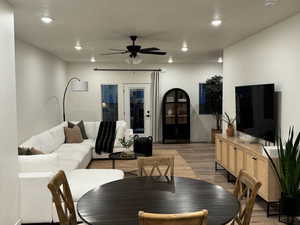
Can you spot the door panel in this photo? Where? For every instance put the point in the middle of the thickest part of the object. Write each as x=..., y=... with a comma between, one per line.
x=250, y=166
x=239, y=160
x=218, y=149
x=224, y=154
x=231, y=158
x=262, y=175
x=137, y=108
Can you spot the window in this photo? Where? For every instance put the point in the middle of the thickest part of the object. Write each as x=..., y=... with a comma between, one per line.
x=109, y=101
x=203, y=105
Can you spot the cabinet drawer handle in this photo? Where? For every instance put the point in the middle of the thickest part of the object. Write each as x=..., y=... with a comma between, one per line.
x=235, y=148
x=254, y=158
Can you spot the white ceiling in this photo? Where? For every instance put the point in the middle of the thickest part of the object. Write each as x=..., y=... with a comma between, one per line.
x=103, y=24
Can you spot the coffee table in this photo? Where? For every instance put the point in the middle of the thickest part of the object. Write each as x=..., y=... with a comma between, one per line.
x=117, y=156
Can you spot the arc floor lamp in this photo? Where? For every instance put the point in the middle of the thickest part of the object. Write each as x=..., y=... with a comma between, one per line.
x=77, y=85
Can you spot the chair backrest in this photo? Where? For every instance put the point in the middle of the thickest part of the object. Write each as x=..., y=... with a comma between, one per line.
x=156, y=166
x=63, y=199
x=194, y=218
x=246, y=188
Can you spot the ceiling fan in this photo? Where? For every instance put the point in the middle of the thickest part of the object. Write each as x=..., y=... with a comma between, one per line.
x=134, y=50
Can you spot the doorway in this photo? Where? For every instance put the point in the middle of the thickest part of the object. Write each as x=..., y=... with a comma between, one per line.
x=137, y=112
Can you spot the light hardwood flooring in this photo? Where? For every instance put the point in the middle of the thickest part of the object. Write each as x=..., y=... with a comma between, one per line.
x=200, y=157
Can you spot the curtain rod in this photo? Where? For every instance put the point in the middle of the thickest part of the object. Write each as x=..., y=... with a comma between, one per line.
x=129, y=70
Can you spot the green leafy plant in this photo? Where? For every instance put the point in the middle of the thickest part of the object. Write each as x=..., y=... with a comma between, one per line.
x=288, y=166
x=126, y=143
x=214, y=96
x=228, y=120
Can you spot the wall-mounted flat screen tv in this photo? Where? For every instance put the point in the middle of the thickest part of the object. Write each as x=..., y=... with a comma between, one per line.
x=255, y=111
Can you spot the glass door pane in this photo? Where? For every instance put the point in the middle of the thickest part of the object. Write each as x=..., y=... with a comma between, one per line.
x=109, y=102
x=137, y=110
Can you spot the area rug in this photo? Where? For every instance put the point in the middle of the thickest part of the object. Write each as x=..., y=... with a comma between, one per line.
x=182, y=169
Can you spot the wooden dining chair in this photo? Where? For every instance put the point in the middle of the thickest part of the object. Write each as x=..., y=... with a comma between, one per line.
x=194, y=218
x=156, y=166
x=246, y=188
x=63, y=199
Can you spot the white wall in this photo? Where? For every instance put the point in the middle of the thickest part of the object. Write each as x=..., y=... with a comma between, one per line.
x=188, y=77
x=41, y=78
x=86, y=105
x=271, y=56
x=9, y=188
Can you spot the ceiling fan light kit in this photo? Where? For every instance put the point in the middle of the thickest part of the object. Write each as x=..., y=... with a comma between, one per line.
x=134, y=51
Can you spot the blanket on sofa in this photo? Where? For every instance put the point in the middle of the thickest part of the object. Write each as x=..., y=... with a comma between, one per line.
x=106, y=137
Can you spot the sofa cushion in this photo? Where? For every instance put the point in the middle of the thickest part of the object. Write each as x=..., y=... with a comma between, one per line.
x=81, y=126
x=83, y=180
x=58, y=135
x=121, y=128
x=68, y=165
x=73, y=135
x=83, y=147
x=39, y=163
x=91, y=129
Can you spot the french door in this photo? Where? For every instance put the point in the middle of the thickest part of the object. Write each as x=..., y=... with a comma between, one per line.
x=137, y=112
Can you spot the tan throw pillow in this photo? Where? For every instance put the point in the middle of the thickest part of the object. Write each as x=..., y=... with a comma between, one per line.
x=35, y=151
x=29, y=151
x=73, y=135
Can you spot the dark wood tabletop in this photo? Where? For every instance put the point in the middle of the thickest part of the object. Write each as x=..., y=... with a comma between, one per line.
x=118, y=202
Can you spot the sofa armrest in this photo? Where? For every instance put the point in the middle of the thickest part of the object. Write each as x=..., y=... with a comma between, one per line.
x=35, y=198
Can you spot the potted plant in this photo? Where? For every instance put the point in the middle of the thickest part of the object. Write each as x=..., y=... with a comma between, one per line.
x=287, y=169
x=214, y=96
x=230, y=125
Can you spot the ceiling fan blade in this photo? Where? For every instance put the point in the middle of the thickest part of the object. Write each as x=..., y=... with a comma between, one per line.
x=154, y=53
x=115, y=53
x=116, y=50
x=149, y=49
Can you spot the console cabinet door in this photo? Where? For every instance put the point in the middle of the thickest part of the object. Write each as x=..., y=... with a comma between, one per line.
x=250, y=164
x=262, y=176
x=232, y=158
x=239, y=160
x=218, y=149
x=224, y=154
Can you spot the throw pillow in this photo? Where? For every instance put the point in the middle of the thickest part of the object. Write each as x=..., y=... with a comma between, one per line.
x=73, y=135
x=81, y=126
x=29, y=151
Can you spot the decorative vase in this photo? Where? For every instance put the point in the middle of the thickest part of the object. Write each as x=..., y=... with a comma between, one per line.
x=230, y=131
x=289, y=208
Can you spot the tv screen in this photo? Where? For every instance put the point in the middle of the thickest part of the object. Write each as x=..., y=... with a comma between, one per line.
x=255, y=111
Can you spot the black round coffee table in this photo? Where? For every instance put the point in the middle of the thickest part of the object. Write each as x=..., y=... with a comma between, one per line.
x=118, y=202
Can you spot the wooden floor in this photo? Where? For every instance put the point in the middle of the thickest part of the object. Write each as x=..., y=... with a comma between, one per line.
x=200, y=157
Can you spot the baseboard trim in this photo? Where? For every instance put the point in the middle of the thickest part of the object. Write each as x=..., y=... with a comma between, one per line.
x=19, y=222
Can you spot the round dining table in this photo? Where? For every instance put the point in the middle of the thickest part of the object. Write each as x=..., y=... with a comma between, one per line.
x=118, y=202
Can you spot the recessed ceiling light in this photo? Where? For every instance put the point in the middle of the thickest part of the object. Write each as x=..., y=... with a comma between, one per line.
x=216, y=22
x=220, y=60
x=46, y=19
x=184, y=47
x=78, y=46
x=270, y=3
x=170, y=60
x=93, y=59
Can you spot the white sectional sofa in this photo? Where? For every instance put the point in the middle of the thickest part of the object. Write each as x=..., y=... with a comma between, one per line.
x=36, y=204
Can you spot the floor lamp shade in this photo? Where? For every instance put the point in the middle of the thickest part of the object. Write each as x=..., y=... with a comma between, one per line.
x=80, y=85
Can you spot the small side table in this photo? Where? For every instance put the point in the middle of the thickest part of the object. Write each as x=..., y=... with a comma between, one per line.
x=117, y=156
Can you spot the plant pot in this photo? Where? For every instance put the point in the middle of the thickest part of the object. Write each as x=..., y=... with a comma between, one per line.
x=230, y=131
x=213, y=134
x=289, y=205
